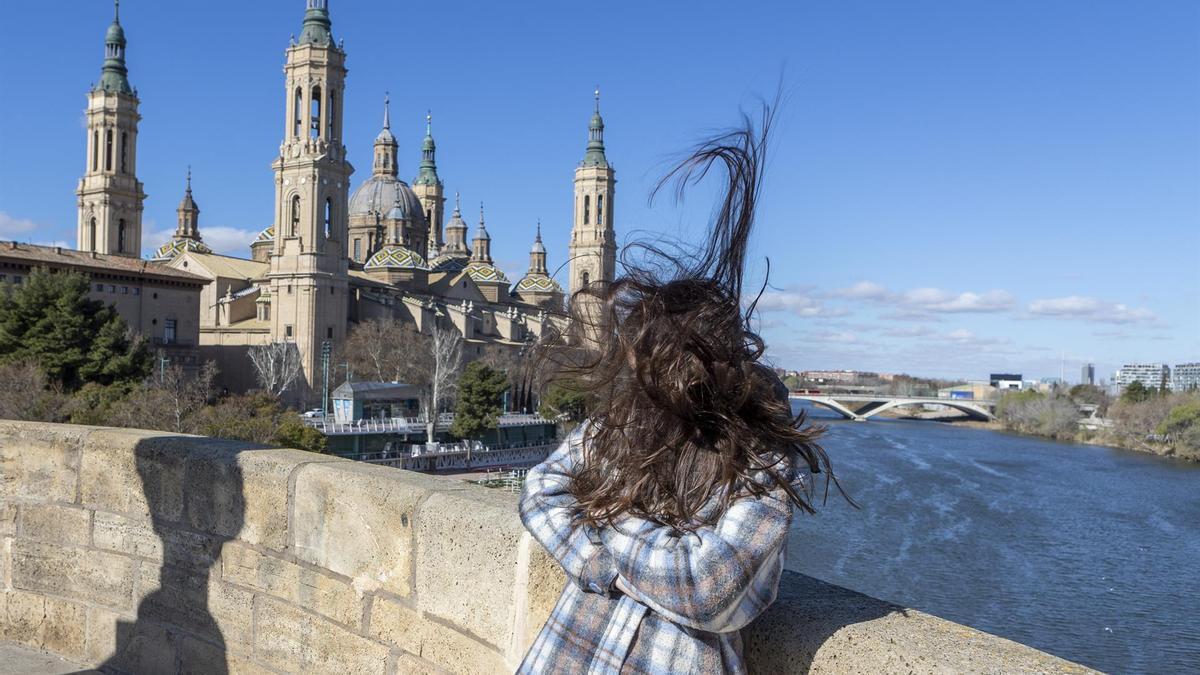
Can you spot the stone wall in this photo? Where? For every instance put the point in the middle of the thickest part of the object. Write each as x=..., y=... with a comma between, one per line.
x=150, y=552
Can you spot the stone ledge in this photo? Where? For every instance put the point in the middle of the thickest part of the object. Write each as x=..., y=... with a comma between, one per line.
x=141, y=551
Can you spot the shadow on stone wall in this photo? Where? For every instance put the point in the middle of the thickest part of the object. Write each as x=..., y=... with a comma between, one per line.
x=174, y=630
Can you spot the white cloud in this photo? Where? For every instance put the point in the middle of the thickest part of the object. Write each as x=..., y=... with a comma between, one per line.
x=911, y=331
x=797, y=302
x=225, y=240
x=15, y=228
x=919, y=302
x=1090, y=309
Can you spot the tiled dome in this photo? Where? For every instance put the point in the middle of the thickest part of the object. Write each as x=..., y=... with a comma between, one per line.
x=395, y=256
x=172, y=249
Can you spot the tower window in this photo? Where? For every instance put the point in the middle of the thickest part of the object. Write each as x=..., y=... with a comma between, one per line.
x=95, y=151
x=328, y=218
x=297, y=111
x=91, y=235
x=587, y=206
x=124, y=152
x=315, y=126
x=599, y=209
x=108, y=149
x=358, y=250
x=587, y=278
x=121, y=236
x=329, y=116
x=295, y=215
x=287, y=331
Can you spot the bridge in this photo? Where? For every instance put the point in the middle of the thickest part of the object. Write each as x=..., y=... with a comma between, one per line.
x=861, y=407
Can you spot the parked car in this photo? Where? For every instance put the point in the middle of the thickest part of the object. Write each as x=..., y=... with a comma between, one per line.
x=313, y=414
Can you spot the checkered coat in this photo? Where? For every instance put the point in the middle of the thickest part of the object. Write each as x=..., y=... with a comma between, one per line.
x=689, y=593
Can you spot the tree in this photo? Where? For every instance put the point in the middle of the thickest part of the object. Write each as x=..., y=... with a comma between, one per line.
x=276, y=365
x=480, y=400
x=258, y=418
x=441, y=366
x=384, y=350
x=186, y=393
x=564, y=400
x=51, y=321
x=27, y=394
x=1135, y=392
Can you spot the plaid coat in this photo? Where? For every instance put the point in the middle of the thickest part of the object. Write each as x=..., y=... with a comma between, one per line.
x=690, y=593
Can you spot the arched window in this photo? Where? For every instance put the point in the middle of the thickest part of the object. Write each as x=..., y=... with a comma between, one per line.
x=108, y=149
x=298, y=113
x=329, y=115
x=124, y=152
x=328, y=218
x=121, y=236
x=95, y=151
x=315, y=125
x=587, y=206
x=599, y=209
x=587, y=278
x=91, y=234
x=295, y=216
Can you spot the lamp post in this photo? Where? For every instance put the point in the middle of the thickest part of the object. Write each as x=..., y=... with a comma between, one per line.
x=326, y=349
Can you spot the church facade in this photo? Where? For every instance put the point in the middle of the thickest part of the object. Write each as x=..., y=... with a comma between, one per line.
x=338, y=252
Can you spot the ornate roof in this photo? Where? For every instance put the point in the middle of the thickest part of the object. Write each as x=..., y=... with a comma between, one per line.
x=536, y=283
x=449, y=262
x=172, y=249
x=380, y=193
x=395, y=256
x=265, y=236
x=485, y=272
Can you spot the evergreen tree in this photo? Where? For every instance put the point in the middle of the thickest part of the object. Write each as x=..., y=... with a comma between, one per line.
x=480, y=400
x=50, y=320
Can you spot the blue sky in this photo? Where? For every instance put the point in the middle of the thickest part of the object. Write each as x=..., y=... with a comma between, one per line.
x=956, y=186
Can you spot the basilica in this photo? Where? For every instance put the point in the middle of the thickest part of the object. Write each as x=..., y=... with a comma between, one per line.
x=339, y=251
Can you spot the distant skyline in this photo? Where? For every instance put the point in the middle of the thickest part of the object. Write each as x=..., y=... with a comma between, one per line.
x=954, y=189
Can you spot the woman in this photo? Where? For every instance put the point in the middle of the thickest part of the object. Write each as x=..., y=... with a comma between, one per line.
x=669, y=508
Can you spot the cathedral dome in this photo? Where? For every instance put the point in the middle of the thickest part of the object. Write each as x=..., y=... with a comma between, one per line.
x=267, y=235
x=449, y=262
x=381, y=194
x=537, y=283
x=395, y=256
x=172, y=249
x=485, y=271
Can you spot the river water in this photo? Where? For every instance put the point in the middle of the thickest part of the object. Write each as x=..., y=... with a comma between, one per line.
x=1089, y=553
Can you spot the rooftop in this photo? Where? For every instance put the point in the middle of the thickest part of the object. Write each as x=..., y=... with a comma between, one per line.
x=59, y=256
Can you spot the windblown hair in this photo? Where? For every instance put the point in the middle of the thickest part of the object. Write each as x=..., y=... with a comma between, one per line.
x=682, y=415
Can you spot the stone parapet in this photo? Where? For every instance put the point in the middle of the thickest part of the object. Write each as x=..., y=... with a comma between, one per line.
x=148, y=552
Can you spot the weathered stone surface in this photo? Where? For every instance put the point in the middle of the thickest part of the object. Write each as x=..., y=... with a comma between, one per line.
x=101, y=642
x=136, y=472
x=197, y=602
x=131, y=536
x=545, y=582
x=56, y=524
x=356, y=520
x=201, y=658
x=52, y=624
x=400, y=626
x=40, y=461
x=8, y=519
x=6, y=563
x=286, y=580
x=397, y=625
x=94, y=576
x=407, y=664
x=458, y=535
x=247, y=491
x=292, y=640
x=144, y=647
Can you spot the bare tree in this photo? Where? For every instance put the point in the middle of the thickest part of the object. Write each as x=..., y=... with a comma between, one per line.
x=277, y=366
x=442, y=366
x=384, y=350
x=186, y=393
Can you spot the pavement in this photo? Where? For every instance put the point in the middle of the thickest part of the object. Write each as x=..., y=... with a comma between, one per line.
x=16, y=658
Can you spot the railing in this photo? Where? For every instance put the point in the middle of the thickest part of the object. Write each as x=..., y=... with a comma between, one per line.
x=416, y=450
x=410, y=425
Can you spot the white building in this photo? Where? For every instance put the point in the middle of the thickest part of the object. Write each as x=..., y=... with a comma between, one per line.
x=1186, y=377
x=1151, y=375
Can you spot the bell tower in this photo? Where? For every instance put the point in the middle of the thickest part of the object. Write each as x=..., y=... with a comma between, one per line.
x=428, y=187
x=593, y=246
x=110, y=196
x=308, y=273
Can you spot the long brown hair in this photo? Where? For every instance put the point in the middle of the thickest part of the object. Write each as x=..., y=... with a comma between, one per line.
x=683, y=417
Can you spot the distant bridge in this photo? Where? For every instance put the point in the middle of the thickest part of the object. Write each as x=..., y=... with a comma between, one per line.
x=861, y=407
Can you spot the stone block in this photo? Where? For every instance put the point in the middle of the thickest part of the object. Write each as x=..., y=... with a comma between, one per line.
x=143, y=646
x=201, y=658
x=8, y=519
x=131, y=536
x=49, y=624
x=93, y=576
x=40, y=461
x=460, y=654
x=397, y=625
x=289, y=639
x=407, y=664
x=135, y=472
x=325, y=595
x=6, y=564
x=197, y=601
x=356, y=520
x=55, y=524
x=101, y=642
x=545, y=582
x=459, y=536
x=246, y=491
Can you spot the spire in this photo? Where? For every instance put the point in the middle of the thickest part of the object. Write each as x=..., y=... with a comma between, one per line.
x=537, y=254
x=188, y=213
x=595, y=147
x=387, y=110
x=456, y=230
x=482, y=243
x=114, y=74
x=428, y=169
x=317, y=29
x=385, y=144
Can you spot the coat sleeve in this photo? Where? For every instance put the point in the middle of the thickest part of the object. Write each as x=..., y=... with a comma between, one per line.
x=547, y=512
x=717, y=579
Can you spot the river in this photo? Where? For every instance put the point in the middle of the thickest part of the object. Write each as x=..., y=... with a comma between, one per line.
x=1089, y=553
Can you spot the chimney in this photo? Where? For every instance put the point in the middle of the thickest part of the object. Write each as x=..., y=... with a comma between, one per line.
x=58, y=250
x=12, y=245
